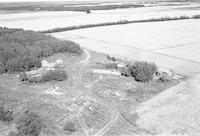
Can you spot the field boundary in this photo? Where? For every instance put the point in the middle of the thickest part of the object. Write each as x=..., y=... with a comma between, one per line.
x=120, y=22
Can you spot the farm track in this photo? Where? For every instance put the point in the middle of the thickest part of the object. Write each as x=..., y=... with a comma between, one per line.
x=84, y=63
x=116, y=115
x=115, y=112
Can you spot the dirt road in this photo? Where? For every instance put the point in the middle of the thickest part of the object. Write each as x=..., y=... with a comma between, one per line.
x=80, y=72
x=115, y=113
x=114, y=117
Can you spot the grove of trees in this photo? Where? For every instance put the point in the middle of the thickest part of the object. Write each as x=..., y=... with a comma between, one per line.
x=21, y=50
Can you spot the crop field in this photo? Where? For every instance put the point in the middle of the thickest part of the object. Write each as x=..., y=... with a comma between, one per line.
x=172, y=44
x=42, y=20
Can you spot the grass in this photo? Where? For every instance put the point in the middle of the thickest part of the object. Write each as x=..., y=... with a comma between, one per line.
x=53, y=110
x=34, y=97
x=145, y=91
x=132, y=92
x=95, y=116
x=119, y=23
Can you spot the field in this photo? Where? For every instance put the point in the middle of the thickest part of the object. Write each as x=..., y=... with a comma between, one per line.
x=66, y=6
x=103, y=91
x=175, y=111
x=172, y=44
x=42, y=20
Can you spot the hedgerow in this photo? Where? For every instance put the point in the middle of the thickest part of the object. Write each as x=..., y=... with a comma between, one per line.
x=56, y=75
x=196, y=17
x=119, y=23
x=110, y=65
x=21, y=50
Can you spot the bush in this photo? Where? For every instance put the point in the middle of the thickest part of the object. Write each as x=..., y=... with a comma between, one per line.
x=70, y=127
x=29, y=124
x=6, y=115
x=57, y=75
x=142, y=71
x=111, y=58
x=23, y=77
x=110, y=66
x=125, y=72
x=2, y=69
x=108, y=57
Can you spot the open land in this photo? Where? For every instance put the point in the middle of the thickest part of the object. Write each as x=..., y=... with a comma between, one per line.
x=172, y=44
x=99, y=103
x=97, y=98
x=42, y=20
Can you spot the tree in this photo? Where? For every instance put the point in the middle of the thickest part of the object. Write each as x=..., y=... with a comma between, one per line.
x=141, y=71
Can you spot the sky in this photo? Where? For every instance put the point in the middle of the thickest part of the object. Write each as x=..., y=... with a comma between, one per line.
x=43, y=0
x=38, y=0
